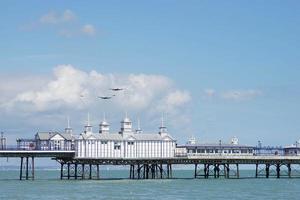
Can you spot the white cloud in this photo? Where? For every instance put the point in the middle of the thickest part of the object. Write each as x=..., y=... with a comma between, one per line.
x=240, y=95
x=88, y=29
x=68, y=16
x=209, y=92
x=57, y=18
x=234, y=95
x=68, y=83
x=43, y=102
x=177, y=98
x=66, y=24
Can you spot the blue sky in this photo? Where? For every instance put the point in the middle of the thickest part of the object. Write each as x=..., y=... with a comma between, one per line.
x=237, y=62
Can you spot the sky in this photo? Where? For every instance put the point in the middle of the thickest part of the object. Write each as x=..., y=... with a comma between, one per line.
x=216, y=69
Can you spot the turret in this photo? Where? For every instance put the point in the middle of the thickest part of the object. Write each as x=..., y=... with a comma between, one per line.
x=126, y=126
x=104, y=126
x=68, y=129
x=163, y=129
x=192, y=140
x=138, y=130
x=235, y=141
x=88, y=128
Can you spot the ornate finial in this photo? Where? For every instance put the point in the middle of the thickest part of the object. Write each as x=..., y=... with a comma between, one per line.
x=104, y=117
x=68, y=119
x=88, y=121
x=162, y=128
x=162, y=120
x=139, y=125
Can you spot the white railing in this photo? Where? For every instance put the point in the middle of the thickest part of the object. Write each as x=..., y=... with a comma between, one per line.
x=246, y=157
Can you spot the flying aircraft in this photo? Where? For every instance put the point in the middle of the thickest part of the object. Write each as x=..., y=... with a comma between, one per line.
x=105, y=97
x=116, y=89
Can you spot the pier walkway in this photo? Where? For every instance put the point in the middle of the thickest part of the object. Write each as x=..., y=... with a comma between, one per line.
x=205, y=166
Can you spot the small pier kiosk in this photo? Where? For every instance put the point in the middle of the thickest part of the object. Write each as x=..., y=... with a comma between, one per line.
x=292, y=150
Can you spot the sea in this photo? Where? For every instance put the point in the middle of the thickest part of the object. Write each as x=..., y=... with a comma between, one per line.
x=116, y=185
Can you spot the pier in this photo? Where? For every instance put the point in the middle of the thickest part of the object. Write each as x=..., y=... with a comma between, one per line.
x=205, y=167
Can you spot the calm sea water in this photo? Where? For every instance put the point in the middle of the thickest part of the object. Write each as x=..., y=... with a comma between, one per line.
x=48, y=186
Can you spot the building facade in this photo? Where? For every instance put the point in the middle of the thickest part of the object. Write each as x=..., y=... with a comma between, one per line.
x=125, y=144
x=192, y=148
x=54, y=141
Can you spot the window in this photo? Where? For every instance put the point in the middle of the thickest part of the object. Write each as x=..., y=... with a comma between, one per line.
x=130, y=143
x=103, y=142
x=117, y=145
x=200, y=151
x=244, y=151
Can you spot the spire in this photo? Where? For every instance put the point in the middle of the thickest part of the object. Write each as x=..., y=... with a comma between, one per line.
x=138, y=130
x=88, y=127
x=104, y=117
x=68, y=130
x=68, y=118
x=104, y=126
x=162, y=120
x=139, y=126
x=163, y=129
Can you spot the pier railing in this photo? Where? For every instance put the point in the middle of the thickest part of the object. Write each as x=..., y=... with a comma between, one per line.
x=20, y=148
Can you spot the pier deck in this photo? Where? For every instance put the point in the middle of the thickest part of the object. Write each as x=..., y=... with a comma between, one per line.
x=206, y=166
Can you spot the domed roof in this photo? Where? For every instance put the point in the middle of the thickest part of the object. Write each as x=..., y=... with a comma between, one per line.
x=126, y=120
x=104, y=123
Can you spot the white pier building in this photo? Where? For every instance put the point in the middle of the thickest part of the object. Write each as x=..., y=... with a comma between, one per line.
x=127, y=143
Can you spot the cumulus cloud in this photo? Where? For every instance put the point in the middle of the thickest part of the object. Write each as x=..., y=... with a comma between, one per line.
x=77, y=89
x=234, y=95
x=88, y=29
x=240, y=95
x=209, y=92
x=66, y=24
x=177, y=98
x=56, y=18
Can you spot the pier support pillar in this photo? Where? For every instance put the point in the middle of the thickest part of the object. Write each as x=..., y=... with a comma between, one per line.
x=161, y=171
x=61, y=170
x=256, y=170
x=267, y=170
x=237, y=171
x=90, y=172
x=205, y=171
x=27, y=166
x=68, y=170
x=76, y=175
x=195, y=173
x=278, y=170
x=83, y=172
x=227, y=171
x=98, y=172
x=168, y=171
x=215, y=171
x=32, y=167
x=139, y=171
x=21, y=168
x=289, y=170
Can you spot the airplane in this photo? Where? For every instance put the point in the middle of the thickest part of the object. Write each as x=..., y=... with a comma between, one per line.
x=105, y=97
x=116, y=89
